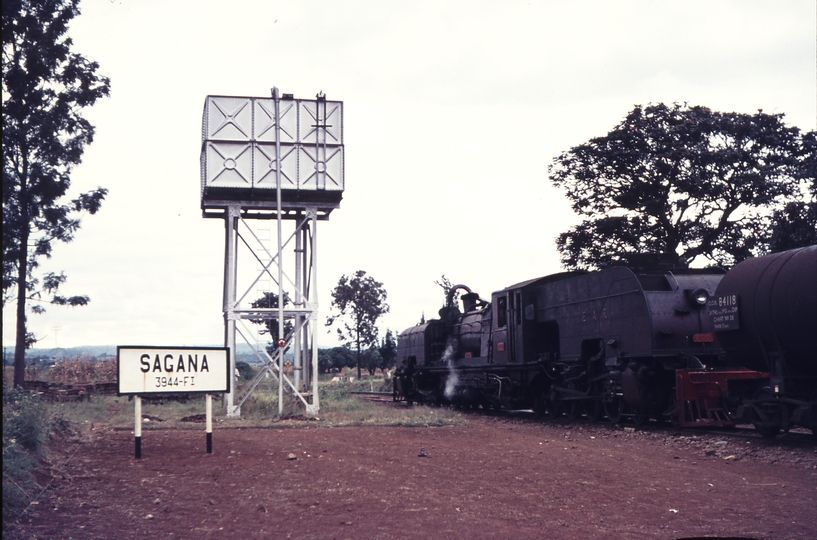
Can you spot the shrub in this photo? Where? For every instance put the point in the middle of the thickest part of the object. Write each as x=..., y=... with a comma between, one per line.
x=24, y=419
x=18, y=480
x=245, y=371
x=25, y=428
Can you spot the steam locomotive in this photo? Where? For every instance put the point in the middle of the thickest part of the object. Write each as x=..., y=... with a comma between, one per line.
x=694, y=347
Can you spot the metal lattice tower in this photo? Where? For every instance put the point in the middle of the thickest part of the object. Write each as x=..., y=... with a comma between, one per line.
x=278, y=159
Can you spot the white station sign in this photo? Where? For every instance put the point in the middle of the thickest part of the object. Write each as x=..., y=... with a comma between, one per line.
x=162, y=370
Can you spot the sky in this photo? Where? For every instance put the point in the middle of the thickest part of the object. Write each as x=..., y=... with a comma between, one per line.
x=453, y=111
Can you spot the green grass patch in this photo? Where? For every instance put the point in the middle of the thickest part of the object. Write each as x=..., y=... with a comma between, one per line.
x=339, y=406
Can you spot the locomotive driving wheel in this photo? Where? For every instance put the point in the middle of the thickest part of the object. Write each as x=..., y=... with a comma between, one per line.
x=640, y=416
x=593, y=410
x=553, y=408
x=614, y=410
x=546, y=407
x=572, y=409
x=539, y=405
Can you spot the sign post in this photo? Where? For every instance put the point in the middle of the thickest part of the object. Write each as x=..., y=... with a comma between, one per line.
x=208, y=429
x=137, y=429
x=172, y=370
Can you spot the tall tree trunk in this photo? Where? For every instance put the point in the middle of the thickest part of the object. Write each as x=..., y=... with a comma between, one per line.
x=358, y=356
x=22, y=279
x=22, y=273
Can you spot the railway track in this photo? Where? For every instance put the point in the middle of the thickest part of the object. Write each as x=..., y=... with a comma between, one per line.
x=794, y=437
x=797, y=437
x=376, y=397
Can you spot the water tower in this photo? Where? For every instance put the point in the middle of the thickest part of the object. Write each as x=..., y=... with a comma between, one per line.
x=272, y=161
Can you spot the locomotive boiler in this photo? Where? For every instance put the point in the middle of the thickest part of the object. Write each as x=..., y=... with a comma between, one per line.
x=629, y=344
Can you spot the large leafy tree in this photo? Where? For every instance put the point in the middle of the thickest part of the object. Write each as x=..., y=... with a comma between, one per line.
x=680, y=183
x=358, y=302
x=45, y=87
x=795, y=225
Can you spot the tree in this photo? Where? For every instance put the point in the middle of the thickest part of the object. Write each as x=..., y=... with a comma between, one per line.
x=372, y=360
x=45, y=87
x=359, y=302
x=341, y=357
x=335, y=358
x=446, y=286
x=678, y=182
x=388, y=351
x=270, y=301
x=795, y=225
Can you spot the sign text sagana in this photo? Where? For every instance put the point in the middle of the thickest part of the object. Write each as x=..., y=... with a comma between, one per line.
x=146, y=370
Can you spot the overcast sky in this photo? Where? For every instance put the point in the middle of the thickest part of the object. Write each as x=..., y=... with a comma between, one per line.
x=452, y=112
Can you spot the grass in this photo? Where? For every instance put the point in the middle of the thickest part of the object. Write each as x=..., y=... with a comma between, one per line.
x=29, y=428
x=338, y=405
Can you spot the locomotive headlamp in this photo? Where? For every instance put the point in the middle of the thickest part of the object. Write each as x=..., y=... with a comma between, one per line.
x=699, y=297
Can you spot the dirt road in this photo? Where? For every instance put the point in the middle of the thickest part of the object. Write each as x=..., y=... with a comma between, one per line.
x=493, y=477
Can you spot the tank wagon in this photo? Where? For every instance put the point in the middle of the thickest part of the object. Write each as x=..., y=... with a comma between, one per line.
x=769, y=324
x=624, y=343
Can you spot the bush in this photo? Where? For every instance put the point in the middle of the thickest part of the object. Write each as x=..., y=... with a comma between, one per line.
x=24, y=419
x=264, y=405
x=18, y=480
x=25, y=429
x=245, y=371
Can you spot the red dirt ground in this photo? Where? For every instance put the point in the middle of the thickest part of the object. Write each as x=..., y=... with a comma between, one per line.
x=494, y=477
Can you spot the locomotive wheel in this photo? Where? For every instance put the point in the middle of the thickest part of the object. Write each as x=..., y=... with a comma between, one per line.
x=593, y=410
x=814, y=413
x=573, y=410
x=771, y=408
x=539, y=406
x=614, y=410
x=640, y=416
x=674, y=417
x=553, y=408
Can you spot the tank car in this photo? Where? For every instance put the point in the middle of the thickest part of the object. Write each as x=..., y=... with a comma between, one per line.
x=765, y=312
x=570, y=343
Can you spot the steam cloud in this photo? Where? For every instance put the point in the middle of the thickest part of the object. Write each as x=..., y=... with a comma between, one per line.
x=453, y=377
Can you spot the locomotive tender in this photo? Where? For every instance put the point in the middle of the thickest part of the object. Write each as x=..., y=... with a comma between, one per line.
x=629, y=344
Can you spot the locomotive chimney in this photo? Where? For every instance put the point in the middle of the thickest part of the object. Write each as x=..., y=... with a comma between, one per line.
x=469, y=301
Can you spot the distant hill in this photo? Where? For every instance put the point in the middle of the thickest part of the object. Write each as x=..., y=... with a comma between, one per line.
x=244, y=353
x=69, y=352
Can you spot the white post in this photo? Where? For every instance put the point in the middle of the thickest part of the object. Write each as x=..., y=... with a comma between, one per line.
x=316, y=404
x=231, y=217
x=137, y=428
x=208, y=406
x=276, y=98
x=296, y=338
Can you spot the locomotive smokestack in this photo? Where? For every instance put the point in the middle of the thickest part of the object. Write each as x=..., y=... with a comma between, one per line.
x=469, y=301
